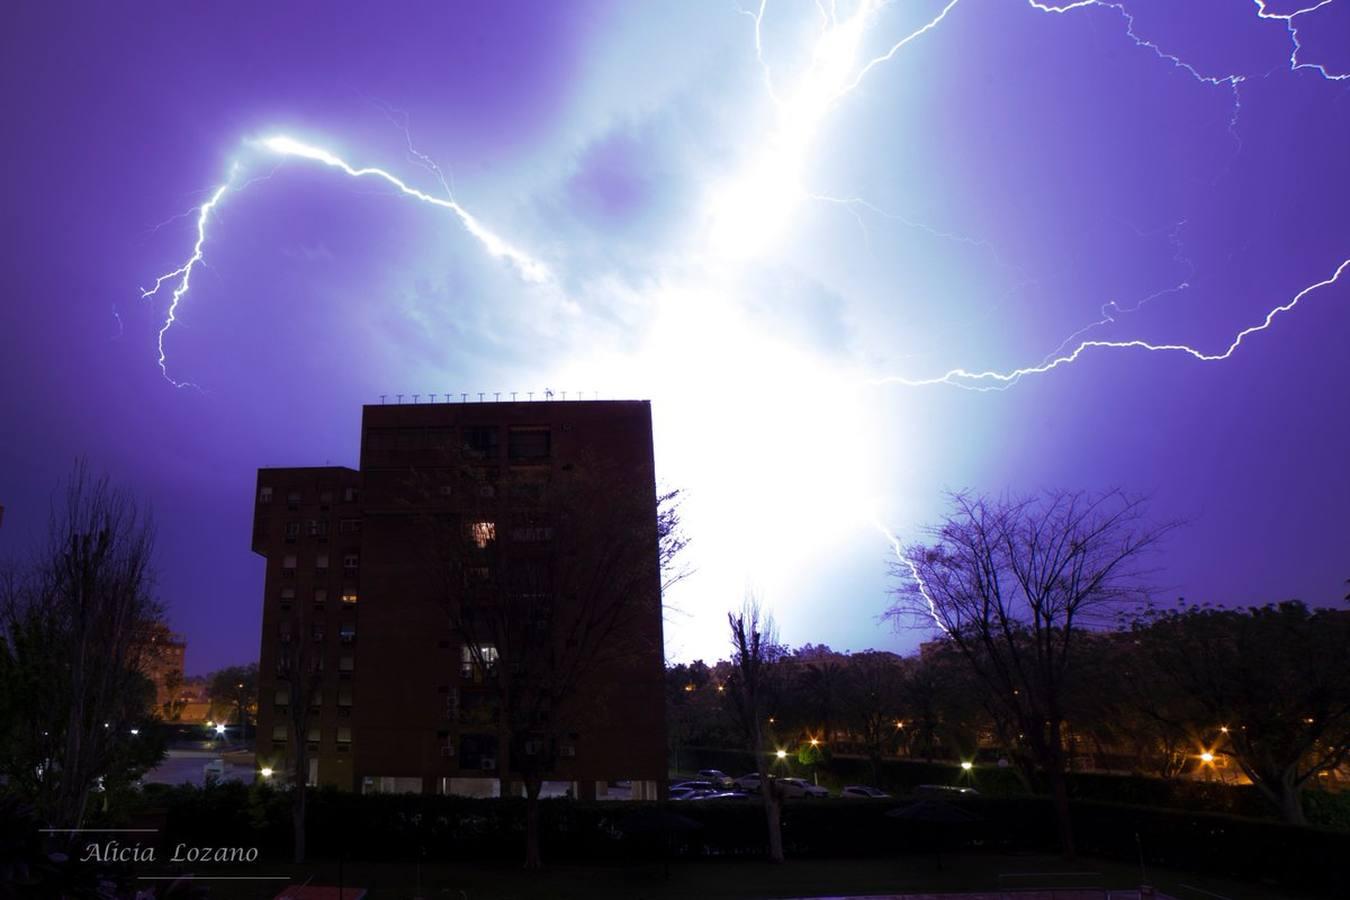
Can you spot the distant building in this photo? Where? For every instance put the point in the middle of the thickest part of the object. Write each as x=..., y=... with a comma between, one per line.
x=467, y=517
x=162, y=654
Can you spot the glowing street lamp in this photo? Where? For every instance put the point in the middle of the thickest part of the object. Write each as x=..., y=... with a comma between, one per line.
x=781, y=754
x=1207, y=757
x=220, y=729
x=265, y=771
x=967, y=766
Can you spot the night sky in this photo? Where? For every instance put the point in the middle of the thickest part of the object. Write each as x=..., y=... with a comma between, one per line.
x=772, y=247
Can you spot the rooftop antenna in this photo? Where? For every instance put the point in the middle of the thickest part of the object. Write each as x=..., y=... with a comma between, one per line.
x=548, y=395
x=463, y=398
x=433, y=397
x=531, y=393
x=497, y=395
x=382, y=396
x=564, y=395
x=513, y=396
x=417, y=397
x=400, y=398
x=480, y=396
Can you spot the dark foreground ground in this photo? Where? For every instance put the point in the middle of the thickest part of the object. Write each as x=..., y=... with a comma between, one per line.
x=724, y=880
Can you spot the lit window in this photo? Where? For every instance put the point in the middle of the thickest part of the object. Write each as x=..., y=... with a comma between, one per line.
x=482, y=533
x=468, y=664
x=347, y=633
x=264, y=495
x=349, y=598
x=344, y=734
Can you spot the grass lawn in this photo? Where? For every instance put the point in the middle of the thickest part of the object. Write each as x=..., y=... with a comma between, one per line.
x=723, y=880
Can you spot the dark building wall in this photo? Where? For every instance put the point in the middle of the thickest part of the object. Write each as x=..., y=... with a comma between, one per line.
x=428, y=472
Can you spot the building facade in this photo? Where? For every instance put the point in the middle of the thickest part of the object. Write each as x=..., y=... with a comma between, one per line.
x=477, y=608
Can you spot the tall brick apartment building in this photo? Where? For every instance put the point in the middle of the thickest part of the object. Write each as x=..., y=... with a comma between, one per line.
x=477, y=606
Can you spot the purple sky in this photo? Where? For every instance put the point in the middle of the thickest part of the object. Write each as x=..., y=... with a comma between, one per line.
x=752, y=241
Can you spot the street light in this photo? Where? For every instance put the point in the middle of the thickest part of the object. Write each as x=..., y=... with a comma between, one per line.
x=265, y=771
x=1207, y=757
x=782, y=754
x=220, y=729
x=967, y=766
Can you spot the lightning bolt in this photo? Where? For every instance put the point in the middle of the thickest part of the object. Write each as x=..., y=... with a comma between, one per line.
x=996, y=381
x=285, y=147
x=1292, y=27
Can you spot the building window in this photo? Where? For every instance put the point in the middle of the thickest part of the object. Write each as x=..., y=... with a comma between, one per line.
x=349, y=526
x=313, y=736
x=325, y=499
x=288, y=562
x=320, y=598
x=317, y=632
x=469, y=662
x=293, y=501
x=480, y=442
x=316, y=527
x=279, y=733
x=321, y=561
x=283, y=695
x=350, y=495
x=344, y=735
x=482, y=533
x=345, y=695
x=285, y=632
x=346, y=663
x=532, y=533
x=292, y=530
x=349, y=598
x=528, y=442
x=347, y=633
x=350, y=562
x=264, y=495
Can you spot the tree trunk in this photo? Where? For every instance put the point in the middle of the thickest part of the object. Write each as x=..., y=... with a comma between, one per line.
x=298, y=792
x=533, y=859
x=1059, y=792
x=1290, y=798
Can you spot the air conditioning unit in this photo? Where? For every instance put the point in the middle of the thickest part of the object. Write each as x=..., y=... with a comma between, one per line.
x=488, y=764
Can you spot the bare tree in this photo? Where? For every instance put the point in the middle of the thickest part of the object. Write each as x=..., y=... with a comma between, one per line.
x=1012, y=582
x=300, y=665
x=871, y=707
x=754, y=655
x=70, y=655
x=556, y=598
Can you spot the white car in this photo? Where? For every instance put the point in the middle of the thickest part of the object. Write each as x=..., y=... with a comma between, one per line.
x=716, y=776
x=748, y=782
x=863, y=792
x=798, y=787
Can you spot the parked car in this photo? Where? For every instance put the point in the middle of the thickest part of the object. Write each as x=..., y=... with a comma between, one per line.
x=696, y=785
x=748, y=782
x=944, y=790
x=800, y=787
x=716, y=776
x=720, y=795
x=677, y=793
x=694, y=794
x=863, y=792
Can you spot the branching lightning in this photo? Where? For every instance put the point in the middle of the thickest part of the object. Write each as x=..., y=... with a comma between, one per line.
x=756, y=202
x=287, y=147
